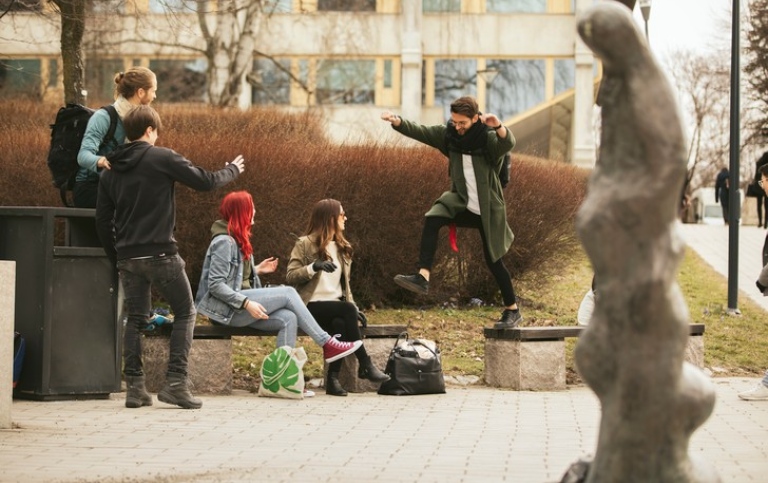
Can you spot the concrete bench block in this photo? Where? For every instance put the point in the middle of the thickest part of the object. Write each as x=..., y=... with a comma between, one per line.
x=378, y=349
x=694, y=351
x=525, y=366
x=209, y=370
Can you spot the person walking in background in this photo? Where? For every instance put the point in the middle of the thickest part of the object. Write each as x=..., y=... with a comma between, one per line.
x=760, y=391
x=134, y=87
x=319, y=268
x=722, y=183
x=135, y=220
x=762, y=199
x=476, y=199
x=230, y=290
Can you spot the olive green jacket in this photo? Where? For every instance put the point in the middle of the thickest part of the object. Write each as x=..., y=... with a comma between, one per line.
x=493, y=210
x=304, y=253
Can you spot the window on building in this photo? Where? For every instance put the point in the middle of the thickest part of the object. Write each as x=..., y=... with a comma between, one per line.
x=53, y=72
x=107, y=6
x=516, y=6
x=100, y=78
x=387, y=73
x=346, y=82
x=346, y=5
x=270, y=82
x=20, y=78
x=163, y=6
x=519, y=86
x=453, y=79
x=565, y=75
x=279, y=6
x=441, y=5
x=180, y=80
x=20, y=5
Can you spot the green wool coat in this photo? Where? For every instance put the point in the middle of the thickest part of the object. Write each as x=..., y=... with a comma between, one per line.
x=486, y=163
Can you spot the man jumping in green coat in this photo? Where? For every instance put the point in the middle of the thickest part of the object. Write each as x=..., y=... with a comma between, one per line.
x=476, y=199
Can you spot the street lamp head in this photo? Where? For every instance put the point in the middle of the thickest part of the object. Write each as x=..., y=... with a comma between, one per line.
x=488, y=75
x=645, y=8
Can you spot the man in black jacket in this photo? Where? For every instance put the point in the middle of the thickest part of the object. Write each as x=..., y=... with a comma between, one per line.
x=135, y=219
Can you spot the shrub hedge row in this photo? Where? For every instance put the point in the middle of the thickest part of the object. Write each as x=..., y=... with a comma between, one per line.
x=385, y=191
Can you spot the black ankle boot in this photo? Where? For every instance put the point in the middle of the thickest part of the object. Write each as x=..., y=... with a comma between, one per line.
x=333, y=386
x=368, y=371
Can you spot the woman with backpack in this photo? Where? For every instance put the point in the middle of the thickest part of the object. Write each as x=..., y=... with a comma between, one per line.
x=319, y=268
x=134, y=87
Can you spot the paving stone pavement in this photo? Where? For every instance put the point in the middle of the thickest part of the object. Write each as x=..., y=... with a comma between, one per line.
x=470, y=434
x=473, y=434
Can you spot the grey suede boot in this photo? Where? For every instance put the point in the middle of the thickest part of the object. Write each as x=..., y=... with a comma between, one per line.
x=176, y=392
x=136, y=394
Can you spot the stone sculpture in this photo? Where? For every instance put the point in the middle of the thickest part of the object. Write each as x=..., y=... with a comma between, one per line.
x=632, y=353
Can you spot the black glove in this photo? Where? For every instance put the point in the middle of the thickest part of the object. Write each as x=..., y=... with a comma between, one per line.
x=324, y=265
x=363, y=320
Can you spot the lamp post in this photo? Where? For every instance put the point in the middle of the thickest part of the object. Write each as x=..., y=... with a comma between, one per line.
x=734, y=200
x=645, y=8
x=488, y=75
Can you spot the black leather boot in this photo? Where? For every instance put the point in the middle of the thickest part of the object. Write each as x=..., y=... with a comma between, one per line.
x=333, y=386
x=368, y=371
x=176, y=391
x=136, y=394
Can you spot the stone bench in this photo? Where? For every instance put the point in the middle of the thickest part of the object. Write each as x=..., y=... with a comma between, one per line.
x=533, y=358
x=210, y=359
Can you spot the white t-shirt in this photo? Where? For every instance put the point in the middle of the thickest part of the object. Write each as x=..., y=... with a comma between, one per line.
x=473, y=203
x=329, y=286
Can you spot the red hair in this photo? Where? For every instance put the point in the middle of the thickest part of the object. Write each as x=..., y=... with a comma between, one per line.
x=237, y=210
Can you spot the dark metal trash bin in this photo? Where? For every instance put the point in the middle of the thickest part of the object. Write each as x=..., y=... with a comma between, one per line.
x=66, y=303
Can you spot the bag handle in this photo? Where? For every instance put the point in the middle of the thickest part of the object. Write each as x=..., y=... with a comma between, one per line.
x=401, y=335
x=419, y=342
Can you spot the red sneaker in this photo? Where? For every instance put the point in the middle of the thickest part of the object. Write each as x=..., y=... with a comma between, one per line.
x=335, y=349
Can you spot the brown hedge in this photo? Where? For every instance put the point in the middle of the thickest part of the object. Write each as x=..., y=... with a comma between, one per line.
x=385, y=191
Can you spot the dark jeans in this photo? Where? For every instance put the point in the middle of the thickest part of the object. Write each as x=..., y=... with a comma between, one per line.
x=165, y=273
x=724, y=203
x=84, y=194
x=465, y=219
x=338, y=317
x=762, y=201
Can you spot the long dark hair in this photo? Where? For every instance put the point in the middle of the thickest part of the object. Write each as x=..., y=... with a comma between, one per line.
x=324, y=225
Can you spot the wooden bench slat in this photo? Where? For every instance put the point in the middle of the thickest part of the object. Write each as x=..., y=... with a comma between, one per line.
x=226, y=332
x=554, y=333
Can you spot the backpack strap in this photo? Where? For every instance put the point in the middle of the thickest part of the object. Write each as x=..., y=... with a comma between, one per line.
x=113, y=117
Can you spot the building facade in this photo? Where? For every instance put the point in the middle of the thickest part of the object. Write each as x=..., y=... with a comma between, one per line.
x=349, y=60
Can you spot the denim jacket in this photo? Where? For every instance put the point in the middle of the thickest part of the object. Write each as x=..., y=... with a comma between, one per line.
x=218, y=294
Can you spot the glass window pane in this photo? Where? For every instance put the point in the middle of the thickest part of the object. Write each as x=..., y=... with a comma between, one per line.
x=518, y=87
x=180, y=80
x=100, y=78
x=516, y=6
x=162, y=6
x=280, y=6
x=20, y=77
x=107, y=6
x=270, y=84
x=20, y=6
x=346, y=5
x=387, y=73
x=346, y=81
x=53, y=72
x=565, y=75
x=441, y=5
x=453, y=79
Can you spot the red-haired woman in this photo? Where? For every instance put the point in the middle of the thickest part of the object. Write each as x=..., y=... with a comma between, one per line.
x=314, y=271
x=230, y=291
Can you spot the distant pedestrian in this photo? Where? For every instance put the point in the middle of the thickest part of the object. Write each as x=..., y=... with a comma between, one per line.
x=722, y=192
x=760, y=391
x=762, y=199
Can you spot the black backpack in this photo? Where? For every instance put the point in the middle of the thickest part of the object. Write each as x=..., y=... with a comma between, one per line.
x=66, y=136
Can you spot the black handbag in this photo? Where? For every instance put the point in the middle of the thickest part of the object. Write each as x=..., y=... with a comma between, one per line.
x=414, y=367
x=754, y=190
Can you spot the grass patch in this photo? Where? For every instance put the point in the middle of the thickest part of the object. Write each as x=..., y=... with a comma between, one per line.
x=732, y=344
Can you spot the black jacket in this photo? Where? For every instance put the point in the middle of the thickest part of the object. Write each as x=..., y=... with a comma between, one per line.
x=136, y=205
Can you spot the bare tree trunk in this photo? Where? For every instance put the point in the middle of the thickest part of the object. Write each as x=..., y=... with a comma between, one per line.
x=72, y=29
